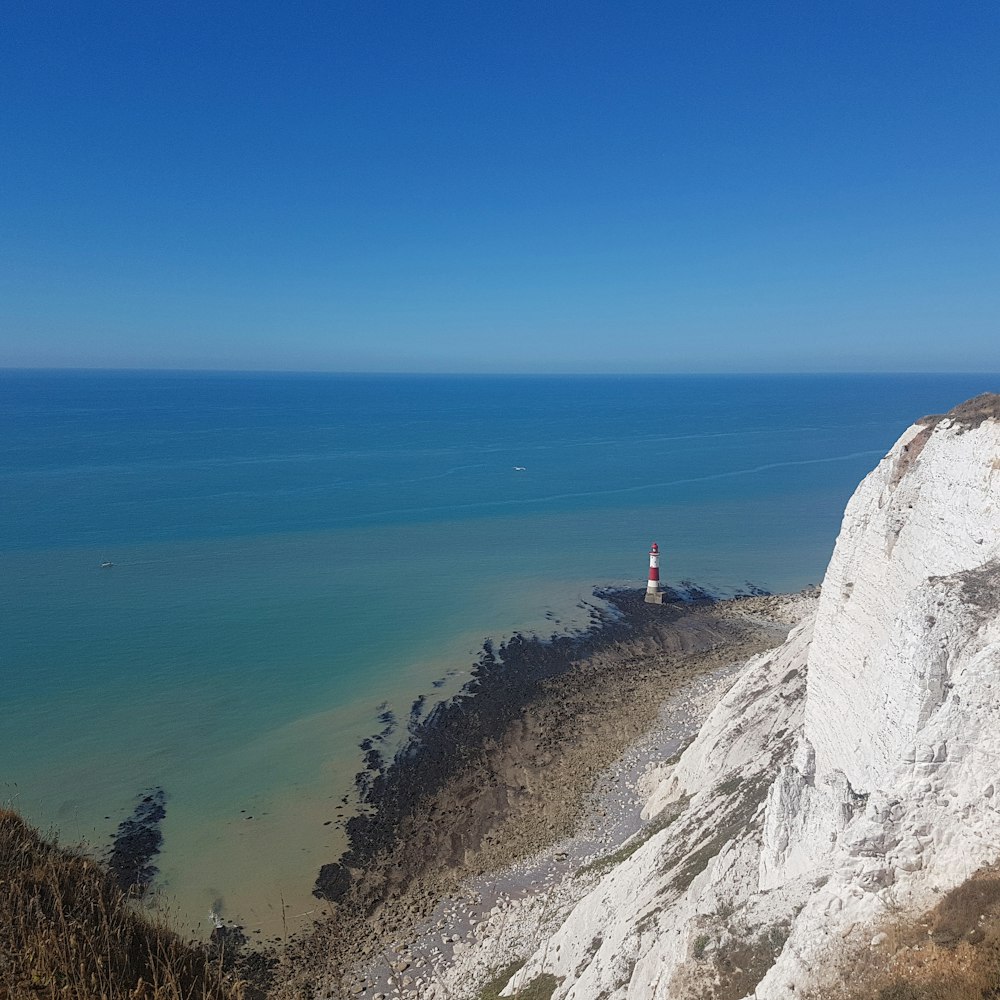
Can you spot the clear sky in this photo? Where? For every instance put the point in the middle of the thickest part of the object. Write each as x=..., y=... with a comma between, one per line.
x=497, y=185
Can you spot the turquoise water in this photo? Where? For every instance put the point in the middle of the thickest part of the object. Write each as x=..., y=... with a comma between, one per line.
x=290, y=552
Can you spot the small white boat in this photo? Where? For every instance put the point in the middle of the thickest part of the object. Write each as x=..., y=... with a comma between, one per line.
x=107, y=564
x=519, y=468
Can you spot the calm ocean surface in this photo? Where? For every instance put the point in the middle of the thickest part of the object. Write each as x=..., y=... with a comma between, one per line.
x=291, y=551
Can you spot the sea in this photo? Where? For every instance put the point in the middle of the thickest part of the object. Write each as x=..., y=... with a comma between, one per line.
x=294, y=556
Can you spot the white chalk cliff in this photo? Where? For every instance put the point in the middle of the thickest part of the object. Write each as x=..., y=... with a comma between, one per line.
x=852, y=771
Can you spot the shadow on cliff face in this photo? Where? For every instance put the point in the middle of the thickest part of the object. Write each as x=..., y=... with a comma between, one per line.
x=952, y=952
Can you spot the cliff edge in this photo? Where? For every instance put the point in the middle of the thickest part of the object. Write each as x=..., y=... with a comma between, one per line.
x=850, y=774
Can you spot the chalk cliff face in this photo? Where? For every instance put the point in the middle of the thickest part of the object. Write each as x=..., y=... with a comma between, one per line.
x=852, y=771
x=879, y=661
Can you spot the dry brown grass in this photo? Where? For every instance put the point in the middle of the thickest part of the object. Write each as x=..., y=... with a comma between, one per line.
x=68, y=932
x=970, y=414
x=951, y=953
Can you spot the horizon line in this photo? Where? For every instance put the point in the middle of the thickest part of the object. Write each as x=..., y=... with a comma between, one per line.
x=142, y=370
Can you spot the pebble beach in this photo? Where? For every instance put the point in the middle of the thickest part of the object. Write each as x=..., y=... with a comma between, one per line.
x=519, y=798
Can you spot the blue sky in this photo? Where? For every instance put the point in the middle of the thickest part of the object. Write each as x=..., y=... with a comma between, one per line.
x=501, y=186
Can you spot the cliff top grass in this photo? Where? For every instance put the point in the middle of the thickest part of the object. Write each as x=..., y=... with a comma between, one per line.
x=68, y=931
x=970, y=414
x=952, y=952
x=966, y=417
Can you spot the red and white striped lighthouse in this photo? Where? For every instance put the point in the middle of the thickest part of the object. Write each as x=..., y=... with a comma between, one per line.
x=654, y=593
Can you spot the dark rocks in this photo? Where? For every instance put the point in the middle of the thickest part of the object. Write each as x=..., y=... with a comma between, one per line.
x=225, y=942
x=416, y=710
x=254, y=968
x=136, y=842
x=491, y=777
x=332, y=882
x=505, y=680
x=388, y=720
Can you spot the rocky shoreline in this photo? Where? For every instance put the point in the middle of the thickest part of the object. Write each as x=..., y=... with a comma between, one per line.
x=137, y=842
x=504, y=770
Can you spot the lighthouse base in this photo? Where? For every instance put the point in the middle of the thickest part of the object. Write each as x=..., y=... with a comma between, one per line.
x=654, y=596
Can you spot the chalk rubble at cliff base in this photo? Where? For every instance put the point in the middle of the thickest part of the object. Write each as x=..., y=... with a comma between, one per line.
x=849, y=774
